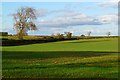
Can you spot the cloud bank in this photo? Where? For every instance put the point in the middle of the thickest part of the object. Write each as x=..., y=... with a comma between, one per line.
x=73, y=18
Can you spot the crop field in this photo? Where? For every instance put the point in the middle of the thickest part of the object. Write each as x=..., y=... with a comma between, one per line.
x=88, y=58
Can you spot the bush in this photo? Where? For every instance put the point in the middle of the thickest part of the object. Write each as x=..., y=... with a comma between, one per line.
x=3, y=33
x=3, y=39
x=82, y=35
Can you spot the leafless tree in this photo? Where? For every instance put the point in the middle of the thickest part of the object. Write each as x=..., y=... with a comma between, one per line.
x=89, y=33
x=24, y=21
x=108, y=33
x=68, y=34
x=59, y=36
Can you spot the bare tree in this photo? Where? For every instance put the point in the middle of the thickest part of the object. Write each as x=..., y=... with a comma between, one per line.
x=68, y=34
x=59, y=36
x=89, y=33
x=108, y=34
x=24, y=21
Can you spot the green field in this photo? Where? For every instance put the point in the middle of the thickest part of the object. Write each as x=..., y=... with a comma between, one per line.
x=90, y=58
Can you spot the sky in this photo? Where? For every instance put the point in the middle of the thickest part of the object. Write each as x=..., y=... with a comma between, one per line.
x=59, y=17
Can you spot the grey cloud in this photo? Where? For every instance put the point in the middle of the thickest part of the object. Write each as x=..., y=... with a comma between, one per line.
x=66, y=18
x=46, y=12
x=75, y=19
x=42, y=12
x=110, y=3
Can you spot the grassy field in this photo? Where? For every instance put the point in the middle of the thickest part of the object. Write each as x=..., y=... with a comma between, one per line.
x=94, y=58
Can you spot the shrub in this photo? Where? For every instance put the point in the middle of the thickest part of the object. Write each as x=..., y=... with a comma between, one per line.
x=3, y=33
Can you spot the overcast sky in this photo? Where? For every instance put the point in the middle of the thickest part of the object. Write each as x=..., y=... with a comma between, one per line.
x=59, y=17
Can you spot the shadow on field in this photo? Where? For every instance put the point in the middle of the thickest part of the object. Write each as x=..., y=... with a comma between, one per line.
x=51, y=54
x=89, y=41
x=26, y=42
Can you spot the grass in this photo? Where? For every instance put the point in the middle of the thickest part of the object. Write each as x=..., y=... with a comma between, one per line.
x=76, y=45
x=94, y=58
